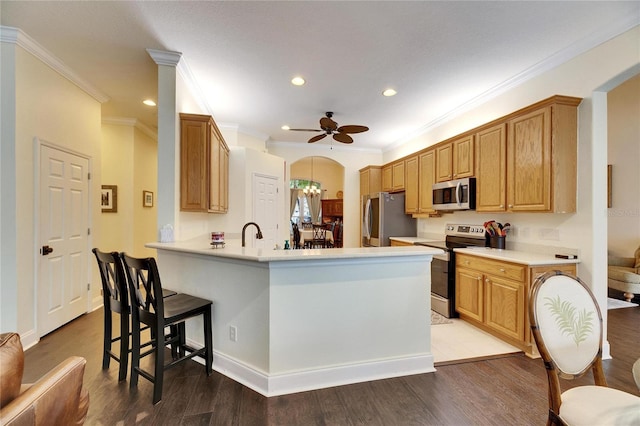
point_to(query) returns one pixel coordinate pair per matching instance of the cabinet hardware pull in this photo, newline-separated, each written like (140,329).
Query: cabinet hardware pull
(501,269)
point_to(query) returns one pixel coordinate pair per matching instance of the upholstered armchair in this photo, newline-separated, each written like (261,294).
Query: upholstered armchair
(624,274)
(58,398)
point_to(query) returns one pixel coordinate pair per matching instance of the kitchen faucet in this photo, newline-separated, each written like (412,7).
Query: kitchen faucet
(244,228)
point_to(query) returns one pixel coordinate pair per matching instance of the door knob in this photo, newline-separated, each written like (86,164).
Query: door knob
(46,250)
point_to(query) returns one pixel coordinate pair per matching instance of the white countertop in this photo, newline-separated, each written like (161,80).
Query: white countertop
(523,257)
(414,240)
(199,246)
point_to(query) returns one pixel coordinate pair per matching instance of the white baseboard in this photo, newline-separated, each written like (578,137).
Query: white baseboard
(300,381)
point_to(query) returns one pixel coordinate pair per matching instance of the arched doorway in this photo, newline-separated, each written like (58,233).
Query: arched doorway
(317,190)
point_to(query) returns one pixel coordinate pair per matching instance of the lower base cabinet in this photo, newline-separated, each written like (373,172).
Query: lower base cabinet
(493,295)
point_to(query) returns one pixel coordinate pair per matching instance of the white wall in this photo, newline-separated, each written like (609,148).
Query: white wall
(52,108)
(623,153)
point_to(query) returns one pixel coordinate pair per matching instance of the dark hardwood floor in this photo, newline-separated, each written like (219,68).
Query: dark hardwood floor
(506,391)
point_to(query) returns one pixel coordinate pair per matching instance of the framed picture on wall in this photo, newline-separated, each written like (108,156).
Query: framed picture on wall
(147,199)
(109,198)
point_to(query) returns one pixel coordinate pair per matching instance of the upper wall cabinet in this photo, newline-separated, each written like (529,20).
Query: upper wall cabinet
(491,169)
(370,180)
(420,173)
(393,177)
(204,165)
(542,158)
(454,160)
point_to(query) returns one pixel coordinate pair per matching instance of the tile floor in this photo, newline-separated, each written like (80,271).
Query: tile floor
(460,341)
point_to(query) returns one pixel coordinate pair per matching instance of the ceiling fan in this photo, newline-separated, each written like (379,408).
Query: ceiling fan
(330,127)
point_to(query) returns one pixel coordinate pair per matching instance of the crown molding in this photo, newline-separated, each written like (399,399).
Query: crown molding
(553,61)
(131,122)
(20,38)
(194,88)
(165,57)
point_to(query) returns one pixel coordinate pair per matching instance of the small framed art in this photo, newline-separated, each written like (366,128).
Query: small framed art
(147,199)
(109,198)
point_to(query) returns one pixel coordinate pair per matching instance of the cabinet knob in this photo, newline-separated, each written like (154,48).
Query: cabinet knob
(486,280)
(510,206)
(502,206)
(501,269)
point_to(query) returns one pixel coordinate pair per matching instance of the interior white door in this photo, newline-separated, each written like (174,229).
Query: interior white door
(265,211)
(64,216)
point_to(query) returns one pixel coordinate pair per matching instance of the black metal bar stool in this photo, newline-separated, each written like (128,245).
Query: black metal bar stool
(115,297)
(144,284)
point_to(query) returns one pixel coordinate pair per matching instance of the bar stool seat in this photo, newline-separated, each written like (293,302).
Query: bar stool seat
(144,284)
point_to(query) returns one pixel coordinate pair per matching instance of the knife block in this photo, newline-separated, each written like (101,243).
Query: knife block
(497,242)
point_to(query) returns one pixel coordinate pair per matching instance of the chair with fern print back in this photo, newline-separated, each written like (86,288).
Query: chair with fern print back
(567,326)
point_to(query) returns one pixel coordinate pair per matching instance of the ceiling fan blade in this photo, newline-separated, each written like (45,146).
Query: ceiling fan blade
(317,138)
(351,128)
(305,130)
(327,123)
(343,137)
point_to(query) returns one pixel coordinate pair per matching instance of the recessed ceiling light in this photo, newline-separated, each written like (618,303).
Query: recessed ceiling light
(285,127)
(149,102)
(297,81)
(389,92)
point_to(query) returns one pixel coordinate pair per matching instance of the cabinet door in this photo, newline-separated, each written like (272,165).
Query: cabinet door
(224,179)
(412,185)
(387,178)
(529,162)
(427,179)
(444,163)
(463,157)
(364,182)
(469,293)
(491,167)
(194,157)
(398,176)
(504,310)
(219,173)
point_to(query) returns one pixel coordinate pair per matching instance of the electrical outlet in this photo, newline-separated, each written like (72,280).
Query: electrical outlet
(233,333)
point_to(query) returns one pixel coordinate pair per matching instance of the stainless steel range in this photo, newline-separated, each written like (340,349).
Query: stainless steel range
(443,267)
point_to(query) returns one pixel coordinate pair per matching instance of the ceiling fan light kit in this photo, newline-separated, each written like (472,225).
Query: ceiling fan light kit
(330,127)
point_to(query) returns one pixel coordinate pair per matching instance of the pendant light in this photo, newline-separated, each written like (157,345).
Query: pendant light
(311,190)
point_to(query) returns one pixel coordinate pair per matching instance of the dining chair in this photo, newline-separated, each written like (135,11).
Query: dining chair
(156,312)
(567,327)
(319,236)
(296,236)
(115,299)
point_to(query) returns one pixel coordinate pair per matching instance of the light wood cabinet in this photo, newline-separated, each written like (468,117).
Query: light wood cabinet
(491,169)
(393,177)
(427,160)
(493,295)
(370,180)
(542,158)
(412,185)
(395,243)
(454,160)
(420,175)
(204,165)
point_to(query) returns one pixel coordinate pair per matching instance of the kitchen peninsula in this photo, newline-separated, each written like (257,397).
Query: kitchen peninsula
(286,321)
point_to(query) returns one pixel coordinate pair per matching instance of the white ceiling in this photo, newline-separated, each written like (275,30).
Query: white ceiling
(439,56)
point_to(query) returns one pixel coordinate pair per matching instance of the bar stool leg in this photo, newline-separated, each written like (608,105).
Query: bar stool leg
(135,354)
(159,368)
(208,341)
(106,344)
(124,347)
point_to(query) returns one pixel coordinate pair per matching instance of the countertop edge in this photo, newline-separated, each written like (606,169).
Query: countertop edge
(514,256)
(270,255)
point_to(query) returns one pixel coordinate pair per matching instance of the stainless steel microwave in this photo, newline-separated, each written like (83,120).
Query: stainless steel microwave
(459,194)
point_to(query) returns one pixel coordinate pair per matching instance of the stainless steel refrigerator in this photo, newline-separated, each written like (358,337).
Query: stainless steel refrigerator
(383,216)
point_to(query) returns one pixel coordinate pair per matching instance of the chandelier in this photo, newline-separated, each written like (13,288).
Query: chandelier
(311,190)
